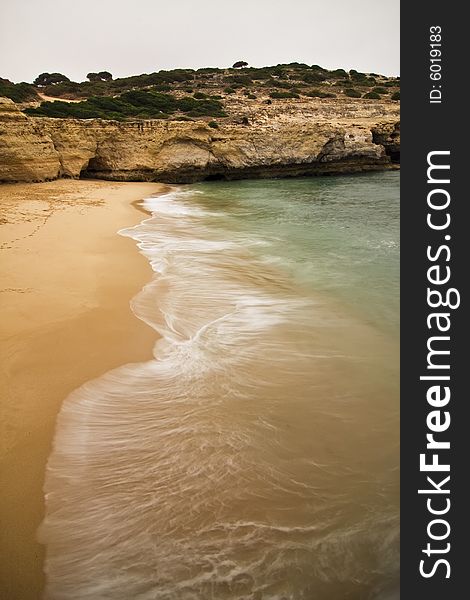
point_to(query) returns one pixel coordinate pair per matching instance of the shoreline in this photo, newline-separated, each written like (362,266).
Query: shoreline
(66,284)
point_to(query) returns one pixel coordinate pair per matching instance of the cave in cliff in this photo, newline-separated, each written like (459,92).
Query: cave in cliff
(90,168)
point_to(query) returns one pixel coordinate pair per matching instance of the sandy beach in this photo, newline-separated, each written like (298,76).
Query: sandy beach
(66,281)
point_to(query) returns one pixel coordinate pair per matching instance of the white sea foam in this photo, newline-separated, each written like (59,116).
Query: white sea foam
(221,468)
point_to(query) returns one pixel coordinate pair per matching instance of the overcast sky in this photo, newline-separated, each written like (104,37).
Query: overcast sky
(131,37)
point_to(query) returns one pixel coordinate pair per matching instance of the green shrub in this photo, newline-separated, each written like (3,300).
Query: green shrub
(279,95)
(259,74)
(251,96)
(337,73)
(320,94)
(134,104)
(229,90)
(213,124)
(313,77)
(352,93)
(65,89)
(200,96)
(176,75)
(162,87)
(314,94)
(279,71)
(380,90)
(371,96)
(356,76)
(395,96)
(199,108)
(18,92)
(283,85)
(240,79)
(297,65)
(209,70)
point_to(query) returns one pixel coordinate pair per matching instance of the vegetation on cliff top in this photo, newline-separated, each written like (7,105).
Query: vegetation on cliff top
(101,76)
(50,79)
(207,92)
(18,92)
(275,76)
(136,104)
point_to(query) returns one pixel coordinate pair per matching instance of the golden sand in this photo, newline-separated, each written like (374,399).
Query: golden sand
(66,281)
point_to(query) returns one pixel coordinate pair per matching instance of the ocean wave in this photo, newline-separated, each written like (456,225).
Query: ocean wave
(232,465)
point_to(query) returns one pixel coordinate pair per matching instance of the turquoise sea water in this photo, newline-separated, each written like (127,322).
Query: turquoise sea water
(256,456)
(338,235)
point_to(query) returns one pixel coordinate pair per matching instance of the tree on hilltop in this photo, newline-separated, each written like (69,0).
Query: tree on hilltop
(101,76)
(239,64)
(50,79)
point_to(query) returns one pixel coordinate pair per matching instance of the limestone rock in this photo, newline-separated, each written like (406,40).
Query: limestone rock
(305,137)
(26,152)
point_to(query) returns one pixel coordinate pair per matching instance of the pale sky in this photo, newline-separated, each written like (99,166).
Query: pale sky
(130,37)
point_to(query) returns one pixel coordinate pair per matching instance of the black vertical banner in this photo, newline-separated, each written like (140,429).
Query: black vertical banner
(435,257)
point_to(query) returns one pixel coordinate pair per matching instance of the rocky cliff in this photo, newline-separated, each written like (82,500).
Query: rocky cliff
(294,137)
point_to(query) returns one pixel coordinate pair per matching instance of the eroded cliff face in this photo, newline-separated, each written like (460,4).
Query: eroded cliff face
(293,138)
(26,153)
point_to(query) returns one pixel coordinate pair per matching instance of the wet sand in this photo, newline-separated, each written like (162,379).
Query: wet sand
(65,285)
